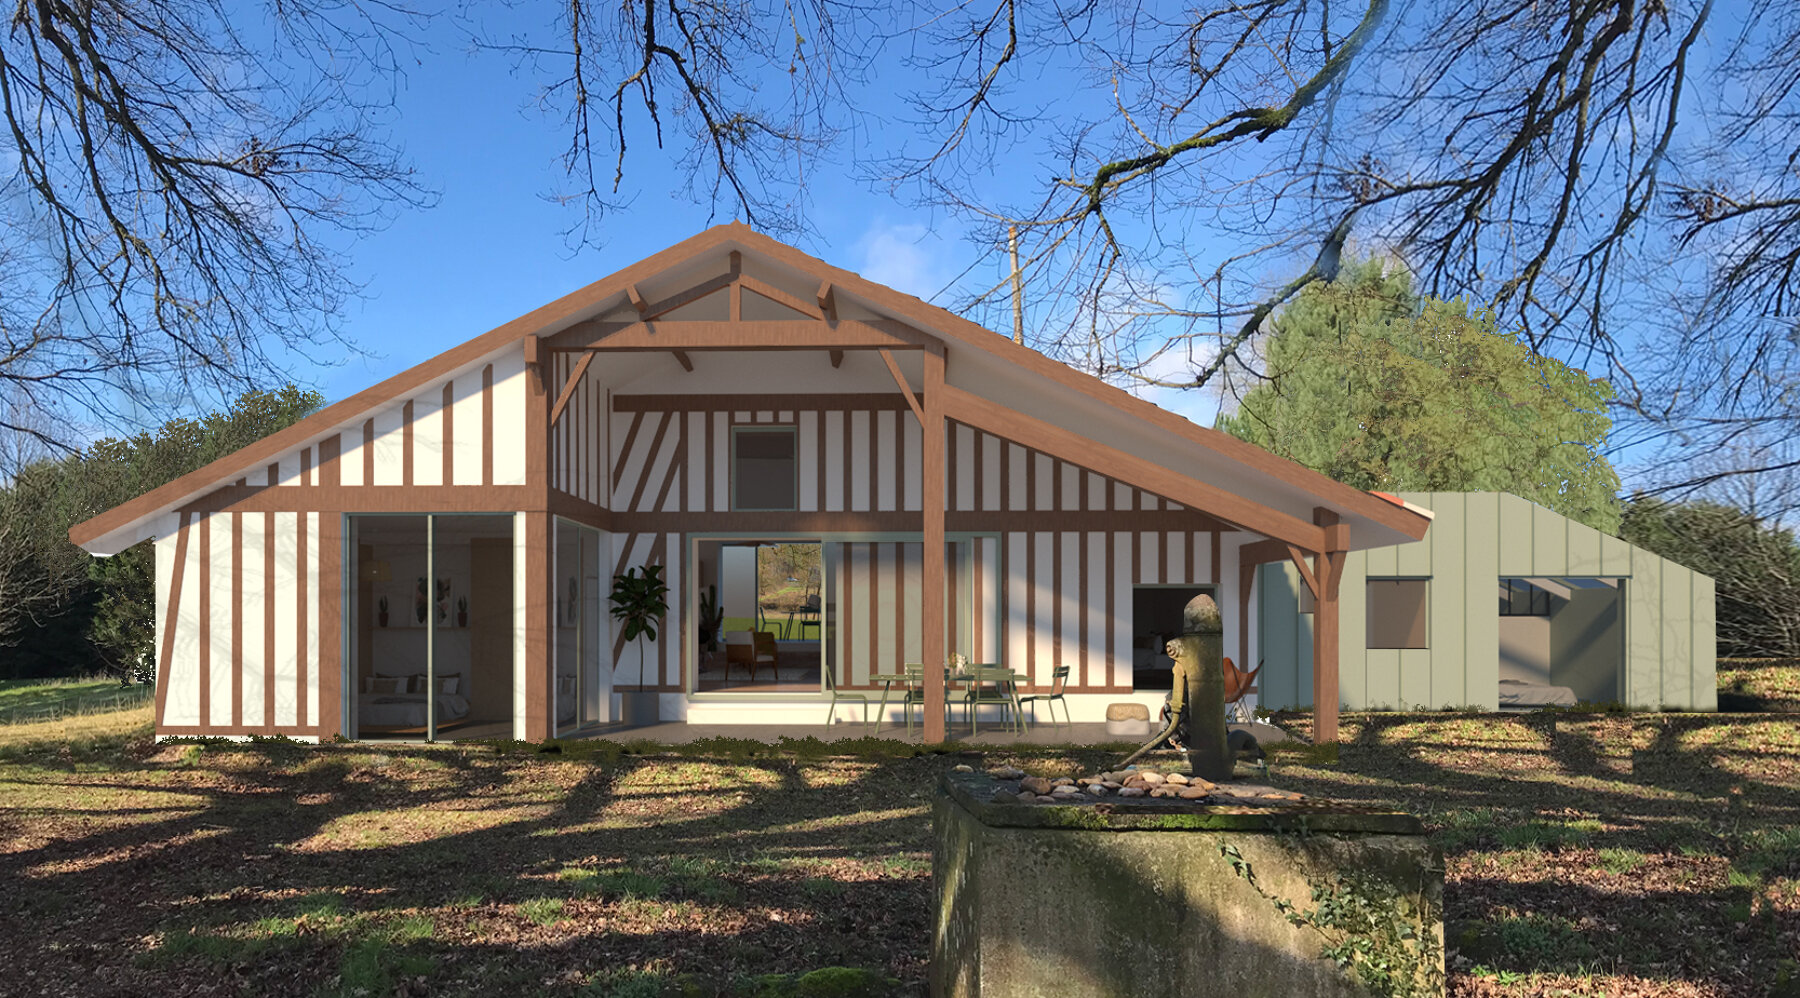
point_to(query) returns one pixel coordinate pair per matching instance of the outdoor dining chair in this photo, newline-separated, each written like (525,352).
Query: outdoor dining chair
(915,694)
(993,684)
(837,695)
(1059,681)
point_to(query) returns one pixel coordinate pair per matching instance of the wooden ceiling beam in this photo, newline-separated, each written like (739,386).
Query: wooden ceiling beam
(776,334)
(827,298)
(837,358)
(681,357)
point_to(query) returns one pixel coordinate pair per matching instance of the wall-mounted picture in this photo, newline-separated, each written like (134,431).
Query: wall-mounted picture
(573,607)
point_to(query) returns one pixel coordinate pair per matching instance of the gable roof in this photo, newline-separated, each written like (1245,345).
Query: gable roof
(614,290)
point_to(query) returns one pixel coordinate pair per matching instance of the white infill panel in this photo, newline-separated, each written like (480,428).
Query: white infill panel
(390,444)
(509,420)
(314,640)
(860,437)
(255,586)
(287,622)
(1018,584)
(219,627)
(1096,576)
(1175,543)
(428,439)
(1119,570)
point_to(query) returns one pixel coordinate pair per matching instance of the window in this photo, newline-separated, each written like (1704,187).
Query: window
(1396,617)
(764,468)
(1519,598)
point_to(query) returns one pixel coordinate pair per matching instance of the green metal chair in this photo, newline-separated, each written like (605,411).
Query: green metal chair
(1059,682)
(992,684)
(836,695)
(915,694)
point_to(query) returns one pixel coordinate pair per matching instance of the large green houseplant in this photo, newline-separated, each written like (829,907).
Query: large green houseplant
(639,604)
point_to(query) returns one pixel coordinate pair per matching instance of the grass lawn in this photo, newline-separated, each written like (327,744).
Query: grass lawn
(1585,855)
(1759,684)
(28,700)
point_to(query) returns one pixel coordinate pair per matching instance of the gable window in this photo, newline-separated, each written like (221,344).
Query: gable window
(1396,617)
(765,468)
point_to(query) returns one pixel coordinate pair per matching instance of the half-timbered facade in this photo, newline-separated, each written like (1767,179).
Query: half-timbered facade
(432,557)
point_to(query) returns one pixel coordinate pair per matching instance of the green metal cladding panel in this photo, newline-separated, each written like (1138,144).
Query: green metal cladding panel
(1677,640)
(1278,630)
(1549,541)
(1706,648)
(1447,604)
(1584,550)
(1516,524)
(1481,635)
(1643,635)
(1353,629)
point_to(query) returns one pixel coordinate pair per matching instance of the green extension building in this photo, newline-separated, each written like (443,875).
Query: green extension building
(1502,605)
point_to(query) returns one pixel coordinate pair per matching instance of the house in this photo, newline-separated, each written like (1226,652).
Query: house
(1502,604)
(432,557)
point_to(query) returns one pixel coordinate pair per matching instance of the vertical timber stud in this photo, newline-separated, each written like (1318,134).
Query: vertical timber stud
(931,589)
(539,605)
(1328,569)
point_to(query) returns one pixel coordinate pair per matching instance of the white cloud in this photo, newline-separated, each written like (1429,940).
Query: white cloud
(907,257)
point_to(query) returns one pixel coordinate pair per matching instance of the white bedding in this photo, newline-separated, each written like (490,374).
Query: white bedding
(406,710)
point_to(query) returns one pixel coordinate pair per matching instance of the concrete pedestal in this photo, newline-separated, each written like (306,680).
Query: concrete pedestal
(1139,898)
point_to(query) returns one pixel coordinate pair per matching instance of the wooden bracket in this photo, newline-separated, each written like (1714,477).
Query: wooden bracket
(1306,572)
(681,357)
(905,389)
(534,363)
(568,391)
(637,300)
(837,358)
(827,297)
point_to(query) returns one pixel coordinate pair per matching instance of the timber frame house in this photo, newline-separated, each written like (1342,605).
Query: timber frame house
(965,495)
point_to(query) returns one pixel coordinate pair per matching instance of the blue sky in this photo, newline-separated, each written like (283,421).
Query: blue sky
(493,247)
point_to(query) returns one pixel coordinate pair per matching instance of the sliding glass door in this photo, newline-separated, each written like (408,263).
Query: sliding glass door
(582,693)
(431,626)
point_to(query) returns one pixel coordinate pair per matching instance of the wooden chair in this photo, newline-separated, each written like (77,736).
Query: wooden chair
(766,651)
(1059,681)
(746,649)
(831,688)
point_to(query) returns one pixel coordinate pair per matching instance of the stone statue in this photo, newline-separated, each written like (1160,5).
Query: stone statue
(1196,724)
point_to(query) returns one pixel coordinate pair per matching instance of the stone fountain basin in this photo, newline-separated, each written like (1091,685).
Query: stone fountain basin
(1144,896)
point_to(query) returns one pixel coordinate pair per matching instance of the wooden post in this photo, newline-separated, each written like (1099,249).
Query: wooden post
(539,587)
(1328,569)
(931,589)
(1018,285)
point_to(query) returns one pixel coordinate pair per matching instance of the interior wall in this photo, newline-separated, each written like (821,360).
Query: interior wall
(1587,644)
(1525,649)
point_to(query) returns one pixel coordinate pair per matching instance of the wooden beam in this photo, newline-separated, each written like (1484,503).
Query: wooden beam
(905,389)
(534,364)
(766,334)
(827,299)
(1306,574)
(737,286)
(1262,552)
(568,390)
(779,296)
(1077,449)
(837,358)
(931,576)
(1246,591)
(681,357)
(1329,566)
(172,616)
(637,301)
(687,297)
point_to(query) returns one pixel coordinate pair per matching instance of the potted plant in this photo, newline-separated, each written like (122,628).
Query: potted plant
(383,614)
(639,603)
(710,619)
(462,611)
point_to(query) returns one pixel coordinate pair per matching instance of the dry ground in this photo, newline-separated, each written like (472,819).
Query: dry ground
(1584,855)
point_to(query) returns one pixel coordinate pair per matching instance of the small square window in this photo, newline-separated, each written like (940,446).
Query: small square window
(765,469)
(1397,613)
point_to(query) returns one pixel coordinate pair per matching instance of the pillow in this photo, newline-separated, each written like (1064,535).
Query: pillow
(415,683)
(447,685)
(565,686)
(368,684)
(384,684)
